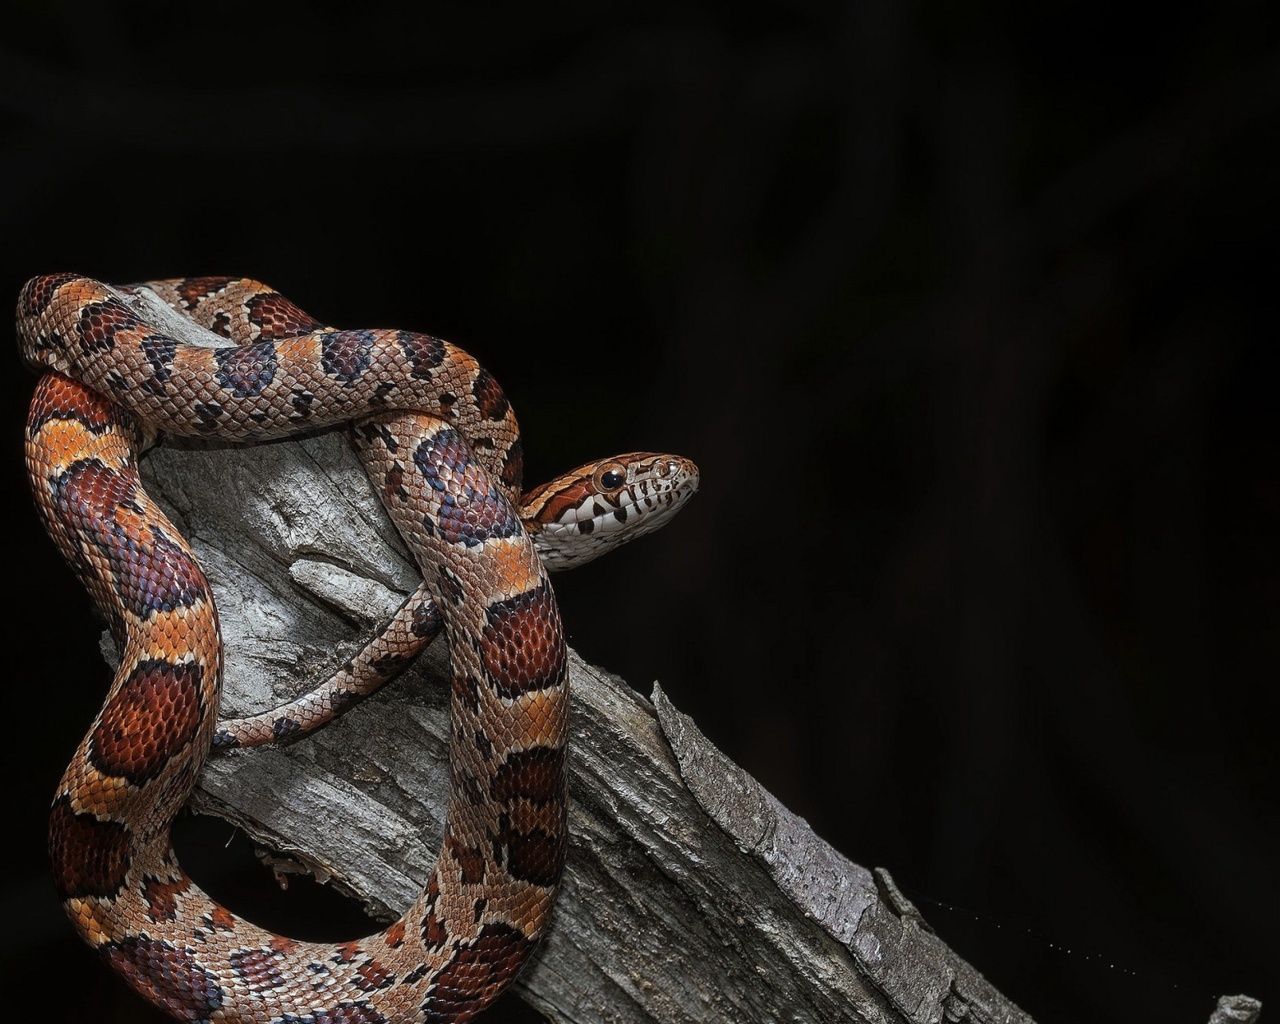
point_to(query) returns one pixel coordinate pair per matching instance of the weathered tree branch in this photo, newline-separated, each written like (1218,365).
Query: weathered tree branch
(691,894)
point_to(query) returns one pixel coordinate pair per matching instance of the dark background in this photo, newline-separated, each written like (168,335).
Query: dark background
(966,312)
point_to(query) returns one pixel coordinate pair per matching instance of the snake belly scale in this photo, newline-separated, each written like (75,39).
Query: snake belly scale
(442,447)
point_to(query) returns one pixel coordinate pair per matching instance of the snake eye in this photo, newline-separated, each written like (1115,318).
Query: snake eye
(610,477)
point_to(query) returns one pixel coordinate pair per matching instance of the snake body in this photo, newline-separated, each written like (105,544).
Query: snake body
(442,447)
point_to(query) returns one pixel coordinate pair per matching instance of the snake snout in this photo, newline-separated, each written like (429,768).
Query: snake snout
(680,474)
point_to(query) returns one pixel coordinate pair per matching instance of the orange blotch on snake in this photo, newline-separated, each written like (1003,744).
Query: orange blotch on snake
(514,570)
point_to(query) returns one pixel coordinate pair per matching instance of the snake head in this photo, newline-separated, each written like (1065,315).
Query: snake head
(601,505)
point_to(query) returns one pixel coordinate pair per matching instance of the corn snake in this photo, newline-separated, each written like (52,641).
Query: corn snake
(441,444)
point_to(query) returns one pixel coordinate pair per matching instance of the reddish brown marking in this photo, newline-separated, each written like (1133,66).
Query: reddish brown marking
(38,292)
(477,974)
(471,861)
(481,511)
(347,952)
(423,352)
(490,400)
(221,919)
(434,933)
(513,466)
(149,570)
(170,977)
(259,969)
(154,716)
(58,398)
(561,499)
(101,322)
(277,317)
(246,370)
(192,289)
(90,857)
(536,775)
(162,897)
(466,691)
(283,944)
(372,975)
(394,935)
(91,492)
(393,490)
(346,355)
(534,856)
(160,577)
(522,648)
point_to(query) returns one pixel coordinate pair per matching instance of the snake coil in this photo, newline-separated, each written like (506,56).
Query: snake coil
(441,444)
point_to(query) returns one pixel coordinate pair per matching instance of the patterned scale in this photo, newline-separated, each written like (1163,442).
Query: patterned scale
(442,447)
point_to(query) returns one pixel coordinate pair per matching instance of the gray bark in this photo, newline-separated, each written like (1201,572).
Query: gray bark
(1236,1010)
(690,894)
